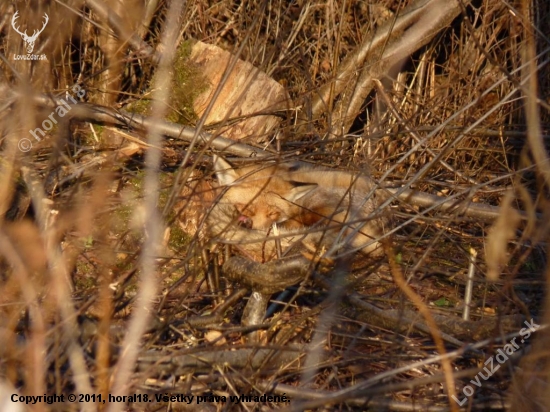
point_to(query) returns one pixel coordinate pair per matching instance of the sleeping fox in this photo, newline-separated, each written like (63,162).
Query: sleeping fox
(266,211)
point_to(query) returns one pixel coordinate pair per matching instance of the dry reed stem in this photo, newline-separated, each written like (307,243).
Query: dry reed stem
(425,312)
(450,117)
(148,274)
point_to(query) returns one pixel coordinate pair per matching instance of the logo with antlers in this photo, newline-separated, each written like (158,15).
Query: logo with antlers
(29,40)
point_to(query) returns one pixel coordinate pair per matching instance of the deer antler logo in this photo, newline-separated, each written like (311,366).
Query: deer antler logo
(29,41)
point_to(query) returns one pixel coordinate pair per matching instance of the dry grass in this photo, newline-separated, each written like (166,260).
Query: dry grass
(102,292)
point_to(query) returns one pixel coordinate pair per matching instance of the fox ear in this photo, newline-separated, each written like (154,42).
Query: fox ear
(224,171)
(297,192)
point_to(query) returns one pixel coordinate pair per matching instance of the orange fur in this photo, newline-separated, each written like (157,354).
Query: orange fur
(299,200)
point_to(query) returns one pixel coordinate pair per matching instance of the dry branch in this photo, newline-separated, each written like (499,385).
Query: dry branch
(267,278)
(415,26)
(107,116)
(264,360)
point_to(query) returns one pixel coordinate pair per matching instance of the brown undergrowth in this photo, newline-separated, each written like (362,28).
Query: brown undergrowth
(109,283)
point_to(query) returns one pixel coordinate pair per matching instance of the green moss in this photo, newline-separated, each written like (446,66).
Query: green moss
(444,302)
(141,106)
(121,218)
(186,84)
(166,181)
(88,242)
(88,138)
(86,275)
(178,238)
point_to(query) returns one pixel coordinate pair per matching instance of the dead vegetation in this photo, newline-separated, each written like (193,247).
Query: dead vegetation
(108,281)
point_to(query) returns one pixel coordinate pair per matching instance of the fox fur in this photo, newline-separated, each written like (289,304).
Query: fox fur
(277,209)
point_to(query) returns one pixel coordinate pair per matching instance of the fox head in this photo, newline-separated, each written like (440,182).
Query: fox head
(261,195)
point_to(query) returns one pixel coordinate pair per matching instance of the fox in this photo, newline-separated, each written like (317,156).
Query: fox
(274,209)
